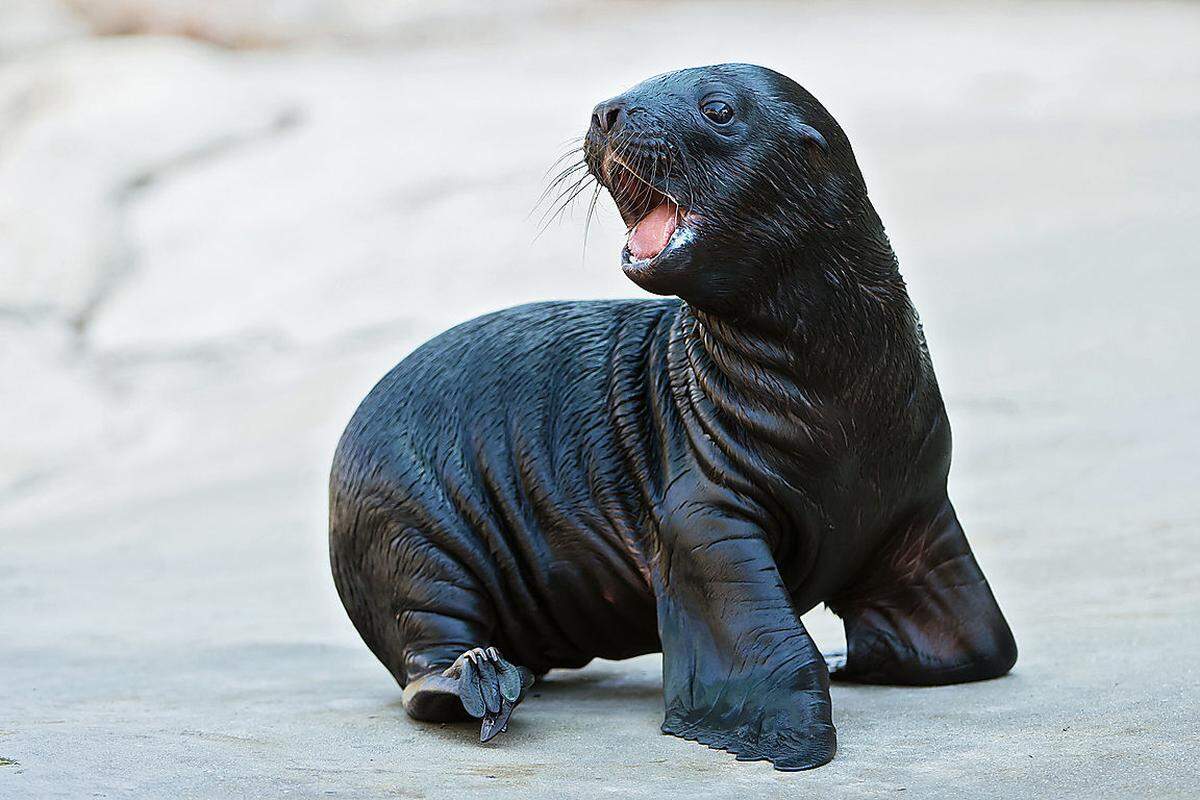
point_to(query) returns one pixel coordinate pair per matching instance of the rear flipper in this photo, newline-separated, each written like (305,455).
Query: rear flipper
(480,684)
(922,614)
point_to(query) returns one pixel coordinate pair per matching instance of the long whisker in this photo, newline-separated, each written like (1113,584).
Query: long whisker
(564,176)
(563,202)
(574,152)
(587,225)
(563,187)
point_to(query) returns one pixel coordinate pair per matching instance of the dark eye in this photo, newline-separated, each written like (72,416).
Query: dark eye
(717,111)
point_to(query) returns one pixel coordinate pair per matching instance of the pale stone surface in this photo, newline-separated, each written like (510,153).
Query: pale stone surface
(207,257)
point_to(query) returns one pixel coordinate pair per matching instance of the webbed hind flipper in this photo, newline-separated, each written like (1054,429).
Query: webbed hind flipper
(480,684)
(922,612)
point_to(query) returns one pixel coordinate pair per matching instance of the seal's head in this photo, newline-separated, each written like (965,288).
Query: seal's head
(729,178)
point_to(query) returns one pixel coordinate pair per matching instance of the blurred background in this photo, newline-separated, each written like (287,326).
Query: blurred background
(221,222)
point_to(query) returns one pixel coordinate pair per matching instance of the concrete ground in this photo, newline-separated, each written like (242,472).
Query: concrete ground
(208,256)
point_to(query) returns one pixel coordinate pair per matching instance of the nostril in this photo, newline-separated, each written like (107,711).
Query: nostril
(607,117)
(610,118)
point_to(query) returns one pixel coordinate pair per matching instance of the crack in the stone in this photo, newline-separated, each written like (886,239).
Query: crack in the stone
(121,261)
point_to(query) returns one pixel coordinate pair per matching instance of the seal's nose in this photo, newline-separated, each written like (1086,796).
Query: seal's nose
(608,116)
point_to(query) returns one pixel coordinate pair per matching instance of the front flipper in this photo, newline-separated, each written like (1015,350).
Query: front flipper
(740,672)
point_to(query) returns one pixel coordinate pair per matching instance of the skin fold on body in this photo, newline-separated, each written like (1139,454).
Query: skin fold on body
(563,481)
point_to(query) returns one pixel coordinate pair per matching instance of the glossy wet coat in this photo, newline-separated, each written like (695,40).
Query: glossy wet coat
(567,481)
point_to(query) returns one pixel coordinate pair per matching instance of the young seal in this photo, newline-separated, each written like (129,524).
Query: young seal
(563,481)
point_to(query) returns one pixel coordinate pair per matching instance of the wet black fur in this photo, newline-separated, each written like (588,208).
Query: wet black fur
(602,479)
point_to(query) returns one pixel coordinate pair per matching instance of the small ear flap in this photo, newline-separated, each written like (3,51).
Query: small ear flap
(810,135)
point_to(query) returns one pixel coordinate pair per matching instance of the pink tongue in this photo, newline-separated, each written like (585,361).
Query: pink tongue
(653,231)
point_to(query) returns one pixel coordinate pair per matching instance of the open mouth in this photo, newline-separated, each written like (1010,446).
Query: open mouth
(656,222)
(653,233)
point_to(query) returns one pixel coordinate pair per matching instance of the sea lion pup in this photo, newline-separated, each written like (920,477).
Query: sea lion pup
(563,481)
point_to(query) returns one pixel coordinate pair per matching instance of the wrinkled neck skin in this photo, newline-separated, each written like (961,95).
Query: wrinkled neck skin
(811,383)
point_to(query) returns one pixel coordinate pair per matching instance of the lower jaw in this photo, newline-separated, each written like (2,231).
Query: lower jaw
(636,271)
(650,279)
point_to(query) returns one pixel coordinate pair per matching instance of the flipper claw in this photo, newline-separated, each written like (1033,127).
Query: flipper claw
(495,724)
(489,687)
